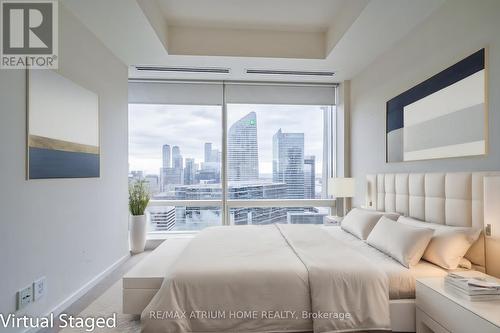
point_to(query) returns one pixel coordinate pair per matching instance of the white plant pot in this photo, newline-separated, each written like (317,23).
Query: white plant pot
(137,233)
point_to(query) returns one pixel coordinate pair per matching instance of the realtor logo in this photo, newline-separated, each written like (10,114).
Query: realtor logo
(29,34)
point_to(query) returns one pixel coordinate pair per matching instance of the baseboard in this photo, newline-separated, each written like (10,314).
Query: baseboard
(82,291)
(86,287)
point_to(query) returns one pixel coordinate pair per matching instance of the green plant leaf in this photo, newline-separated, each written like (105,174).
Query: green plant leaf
(138,197)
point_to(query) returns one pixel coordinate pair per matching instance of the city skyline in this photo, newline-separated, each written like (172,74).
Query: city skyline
(183,178)
(289,159)
(190,127)
(291,167)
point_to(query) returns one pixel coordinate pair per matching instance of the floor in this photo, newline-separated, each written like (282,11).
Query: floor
(106,305)
(104,300)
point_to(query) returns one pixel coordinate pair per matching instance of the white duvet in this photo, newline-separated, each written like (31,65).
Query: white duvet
(275,278)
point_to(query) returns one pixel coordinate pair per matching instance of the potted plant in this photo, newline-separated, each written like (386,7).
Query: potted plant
(138,201)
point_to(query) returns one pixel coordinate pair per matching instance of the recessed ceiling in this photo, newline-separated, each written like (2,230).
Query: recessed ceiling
(282,15)
(341,36)
(252,28)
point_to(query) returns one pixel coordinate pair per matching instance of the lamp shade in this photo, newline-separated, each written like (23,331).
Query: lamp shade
(341,187)
(492,204)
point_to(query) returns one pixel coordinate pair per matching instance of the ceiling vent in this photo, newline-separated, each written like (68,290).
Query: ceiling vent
(213,70)
(277,72)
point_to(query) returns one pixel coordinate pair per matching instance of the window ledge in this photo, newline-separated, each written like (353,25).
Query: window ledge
(158,235)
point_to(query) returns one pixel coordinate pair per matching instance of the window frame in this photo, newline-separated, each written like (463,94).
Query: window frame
(329,155)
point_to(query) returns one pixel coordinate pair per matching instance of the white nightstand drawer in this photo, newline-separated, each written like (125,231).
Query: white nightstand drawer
(426,324)
(449,314)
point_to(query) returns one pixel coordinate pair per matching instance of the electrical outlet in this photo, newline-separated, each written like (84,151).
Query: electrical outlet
(39,288)
(488,230)
(24,297)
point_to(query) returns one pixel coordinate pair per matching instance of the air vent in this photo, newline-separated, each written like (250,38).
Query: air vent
(184,69)
(276,72)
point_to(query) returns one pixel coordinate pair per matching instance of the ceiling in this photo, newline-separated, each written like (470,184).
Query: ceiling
(284,15)
(343,36)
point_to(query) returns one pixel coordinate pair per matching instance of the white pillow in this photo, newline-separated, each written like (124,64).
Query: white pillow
(403,242)
(360,222)
(448,245)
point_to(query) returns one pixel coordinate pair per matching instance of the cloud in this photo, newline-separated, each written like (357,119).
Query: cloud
(189,127)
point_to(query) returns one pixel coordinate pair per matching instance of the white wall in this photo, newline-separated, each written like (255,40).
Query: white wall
(67,230)
(454,31)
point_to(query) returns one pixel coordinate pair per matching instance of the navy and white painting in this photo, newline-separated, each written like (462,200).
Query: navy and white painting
(63,128)
(444,116)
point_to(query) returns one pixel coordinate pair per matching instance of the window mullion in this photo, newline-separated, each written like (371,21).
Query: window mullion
(225,208)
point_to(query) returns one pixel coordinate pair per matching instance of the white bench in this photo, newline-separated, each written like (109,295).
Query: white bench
(143,281)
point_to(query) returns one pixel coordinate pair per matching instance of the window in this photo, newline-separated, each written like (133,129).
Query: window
(278,153)
(176,149)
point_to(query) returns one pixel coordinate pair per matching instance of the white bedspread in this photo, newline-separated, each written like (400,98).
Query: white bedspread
(341,280)
(401,279)
(269,279)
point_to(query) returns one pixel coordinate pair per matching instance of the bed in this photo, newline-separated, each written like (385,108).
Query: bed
(287,269)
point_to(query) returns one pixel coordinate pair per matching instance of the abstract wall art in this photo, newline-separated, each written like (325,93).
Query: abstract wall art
(444,116)
(62,128)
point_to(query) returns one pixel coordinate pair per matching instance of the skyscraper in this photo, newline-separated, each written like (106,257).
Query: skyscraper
(190,172)
(166,156)
(288,162)
(176,158)
(242,152)
(208,152)
(215,156)
(166,163)
(171,174)
(309,177)
(210,168)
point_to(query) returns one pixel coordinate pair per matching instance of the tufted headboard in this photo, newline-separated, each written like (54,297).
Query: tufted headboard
(454,199)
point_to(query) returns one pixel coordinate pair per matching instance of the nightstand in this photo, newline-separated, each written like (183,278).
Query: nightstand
(440,311)
(332,220)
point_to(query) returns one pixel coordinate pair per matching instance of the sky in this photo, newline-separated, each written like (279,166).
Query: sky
(190,126)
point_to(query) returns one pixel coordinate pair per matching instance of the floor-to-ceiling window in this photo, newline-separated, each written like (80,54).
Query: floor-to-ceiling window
(214,153)
(176,150)
(276,152)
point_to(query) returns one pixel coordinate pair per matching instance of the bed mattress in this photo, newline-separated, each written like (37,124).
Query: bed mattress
(281,278)
(236,268)
(401,279)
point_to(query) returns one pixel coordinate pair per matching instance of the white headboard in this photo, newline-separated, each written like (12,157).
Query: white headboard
(454,199)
